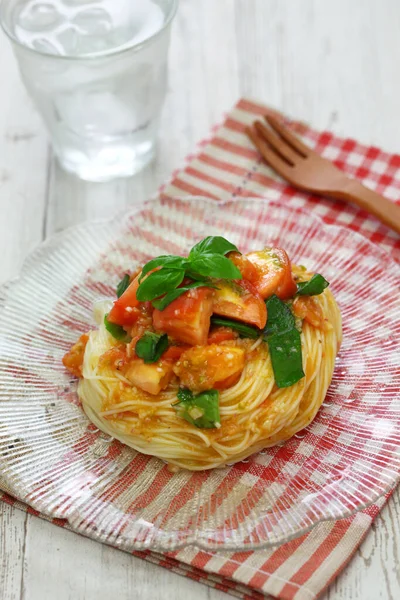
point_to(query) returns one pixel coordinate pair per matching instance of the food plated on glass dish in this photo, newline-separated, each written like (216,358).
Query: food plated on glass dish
(207,358)
(209,426)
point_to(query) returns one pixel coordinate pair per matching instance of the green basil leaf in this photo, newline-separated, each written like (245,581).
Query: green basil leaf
(184,395)
(245,331)
(201,410)
(280,317)
(212,245)
(116,331)
(193,275)
(286,358)
(312,287)
(170,261)
(123,285)
(151,346)
(161,303)
(284,343)
(216,266)
(158,283)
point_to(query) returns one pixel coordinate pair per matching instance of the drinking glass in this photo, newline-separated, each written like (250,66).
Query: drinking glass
(97,72)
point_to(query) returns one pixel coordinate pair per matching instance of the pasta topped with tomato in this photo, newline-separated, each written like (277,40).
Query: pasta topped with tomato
(205,359)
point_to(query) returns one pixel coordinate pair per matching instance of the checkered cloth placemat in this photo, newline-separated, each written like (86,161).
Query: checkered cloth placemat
(227,166)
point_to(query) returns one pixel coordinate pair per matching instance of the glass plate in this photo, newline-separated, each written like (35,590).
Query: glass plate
(55,460)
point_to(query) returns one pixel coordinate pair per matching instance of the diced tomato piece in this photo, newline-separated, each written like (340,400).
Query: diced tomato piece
(307,308)
(73,360)
(274,273)
(201,368)
(114,358)
(135,274)
(245,266)
(228,382)
(174,352)
(187,319)
(221,334)
(144,321)
(240,300)
(151,378)
(125,310)
(287,287)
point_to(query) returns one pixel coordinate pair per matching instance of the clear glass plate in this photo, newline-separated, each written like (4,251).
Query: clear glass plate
(54,459)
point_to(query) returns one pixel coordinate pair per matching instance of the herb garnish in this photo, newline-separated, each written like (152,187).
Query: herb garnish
(206,260)
(312,287)
(284,343)
(201,410)
(116,331)
(123,285)
(151,346)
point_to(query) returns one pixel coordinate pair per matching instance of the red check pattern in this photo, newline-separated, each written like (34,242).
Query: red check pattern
(227,166)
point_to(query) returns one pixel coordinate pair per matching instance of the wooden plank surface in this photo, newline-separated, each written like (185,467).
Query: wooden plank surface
(334,64)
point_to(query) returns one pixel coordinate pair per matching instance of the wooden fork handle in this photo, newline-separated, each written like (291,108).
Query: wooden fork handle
(354,191)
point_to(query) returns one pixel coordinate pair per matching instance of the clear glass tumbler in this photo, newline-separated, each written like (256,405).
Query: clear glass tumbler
(97,71)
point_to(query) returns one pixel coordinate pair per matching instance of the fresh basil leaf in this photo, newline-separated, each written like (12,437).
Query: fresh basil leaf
(151,346)
(201,410)
(216,266)
(312,287)
(280,317)
(161,303)
(159,283)
(246,331)
(212,245)
(286,358)
(193,275)
(170,261)
(123,285)
(116,331)
(284,343)
(184,395)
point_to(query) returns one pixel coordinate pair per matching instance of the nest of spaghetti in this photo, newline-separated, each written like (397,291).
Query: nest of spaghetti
(204,360)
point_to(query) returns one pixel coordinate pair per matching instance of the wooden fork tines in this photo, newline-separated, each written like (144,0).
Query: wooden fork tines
(305,169)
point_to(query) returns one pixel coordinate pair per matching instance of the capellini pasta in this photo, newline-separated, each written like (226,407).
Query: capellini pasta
(205,360)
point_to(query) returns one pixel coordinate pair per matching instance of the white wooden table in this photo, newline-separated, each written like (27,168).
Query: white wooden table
(334,63)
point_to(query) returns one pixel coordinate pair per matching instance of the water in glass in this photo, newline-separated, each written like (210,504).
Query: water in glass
(97,72)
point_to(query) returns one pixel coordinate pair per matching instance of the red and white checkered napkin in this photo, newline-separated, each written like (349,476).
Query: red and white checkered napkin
(227,166)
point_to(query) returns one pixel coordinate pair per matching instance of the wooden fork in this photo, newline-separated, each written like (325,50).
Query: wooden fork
(307,170)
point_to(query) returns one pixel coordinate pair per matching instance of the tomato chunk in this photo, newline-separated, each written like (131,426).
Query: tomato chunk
(240,300)
(274,273)
(174,352)
(151,378)
(125,310)
(201,368)
(187,319)
(307,308)
(228,382)
(246,267)
(144,320)
(114,358)
(73,360)
(221,334)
